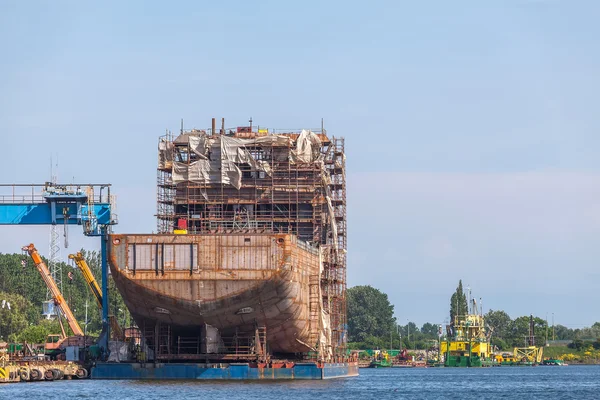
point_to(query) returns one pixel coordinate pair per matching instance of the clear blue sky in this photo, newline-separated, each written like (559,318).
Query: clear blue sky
(472,126)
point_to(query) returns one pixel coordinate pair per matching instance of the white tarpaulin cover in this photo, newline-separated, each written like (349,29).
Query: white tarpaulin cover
(165,153)
(325,321)
(219,156)
(200,145)
(308,148)
(119,351)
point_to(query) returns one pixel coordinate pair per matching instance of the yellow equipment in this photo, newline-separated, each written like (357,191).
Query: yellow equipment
(57,296)
(93,285)
(529,354)
(87,275)
(468,341)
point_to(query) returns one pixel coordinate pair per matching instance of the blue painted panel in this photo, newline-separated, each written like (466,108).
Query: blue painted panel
(339,370)
(284,373)
(212,373)
(215,372)
(40,214)
(307,371)
(100,210)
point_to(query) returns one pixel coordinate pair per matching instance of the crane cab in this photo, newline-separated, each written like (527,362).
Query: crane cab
(53,343)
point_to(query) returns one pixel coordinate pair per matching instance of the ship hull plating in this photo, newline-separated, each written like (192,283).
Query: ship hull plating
(234,283)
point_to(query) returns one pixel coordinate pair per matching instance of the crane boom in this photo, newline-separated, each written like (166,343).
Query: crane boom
(87,275)
(58,298)
(95,289)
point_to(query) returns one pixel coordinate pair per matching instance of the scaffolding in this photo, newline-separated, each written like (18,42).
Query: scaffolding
(251,180)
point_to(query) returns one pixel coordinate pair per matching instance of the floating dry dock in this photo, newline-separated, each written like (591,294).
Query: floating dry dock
(243,371)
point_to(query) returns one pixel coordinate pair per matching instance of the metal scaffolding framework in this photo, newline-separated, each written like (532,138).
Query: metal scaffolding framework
(306,199)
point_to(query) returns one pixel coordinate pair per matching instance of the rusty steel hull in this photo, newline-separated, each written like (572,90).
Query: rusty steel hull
(233,282)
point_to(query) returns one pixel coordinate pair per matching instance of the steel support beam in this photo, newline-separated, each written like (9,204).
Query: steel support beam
(52,213)
(105,324)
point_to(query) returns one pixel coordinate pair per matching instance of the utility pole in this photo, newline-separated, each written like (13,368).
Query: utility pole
(468,300)
(546,329)
(440,344)
(553,327)
(86,319)
(400,343)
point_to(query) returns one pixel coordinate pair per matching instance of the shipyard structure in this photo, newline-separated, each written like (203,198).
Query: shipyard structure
(249,260)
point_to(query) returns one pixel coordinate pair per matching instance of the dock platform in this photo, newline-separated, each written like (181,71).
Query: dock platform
(220,371)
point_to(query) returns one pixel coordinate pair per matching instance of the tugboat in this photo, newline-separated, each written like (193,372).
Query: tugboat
(381,359)
(468,341)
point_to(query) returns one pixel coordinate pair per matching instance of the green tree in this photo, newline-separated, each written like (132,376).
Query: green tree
(561,332)
(592,332)
(14,309)
(500,343)
(38,333)
(576,344)
(411,334)
(18,279)
(373,342)
(429,330)
(409,329)
(520,331)
(500,322)
(458,302)
(370,313)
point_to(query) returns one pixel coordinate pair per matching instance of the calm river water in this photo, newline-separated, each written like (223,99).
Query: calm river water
(571,382)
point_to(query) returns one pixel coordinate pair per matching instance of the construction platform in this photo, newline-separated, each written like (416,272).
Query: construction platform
(220,371)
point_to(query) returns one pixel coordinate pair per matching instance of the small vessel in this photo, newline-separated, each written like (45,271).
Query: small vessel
(553,361)
(468,341)
(381,360)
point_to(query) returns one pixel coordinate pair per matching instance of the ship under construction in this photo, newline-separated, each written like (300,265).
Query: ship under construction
(249,260)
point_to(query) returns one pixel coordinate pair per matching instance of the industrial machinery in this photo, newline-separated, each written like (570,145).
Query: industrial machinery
(88,205)
(116,331)
(468,344)
(530,354)
(54,342)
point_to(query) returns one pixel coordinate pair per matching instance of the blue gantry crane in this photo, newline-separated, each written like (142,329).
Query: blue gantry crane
(88,205)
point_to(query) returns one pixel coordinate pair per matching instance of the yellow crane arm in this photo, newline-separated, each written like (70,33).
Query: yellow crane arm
(95,288)
(540,355)
(58,298)
(87,275)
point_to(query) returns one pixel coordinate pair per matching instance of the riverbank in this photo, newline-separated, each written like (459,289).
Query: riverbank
(582,356)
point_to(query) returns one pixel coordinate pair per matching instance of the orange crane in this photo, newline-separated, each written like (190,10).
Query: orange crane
(57,296)
(116,330)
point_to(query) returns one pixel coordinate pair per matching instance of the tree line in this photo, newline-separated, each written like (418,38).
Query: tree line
(371,324)
(508,333)
(22,287)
